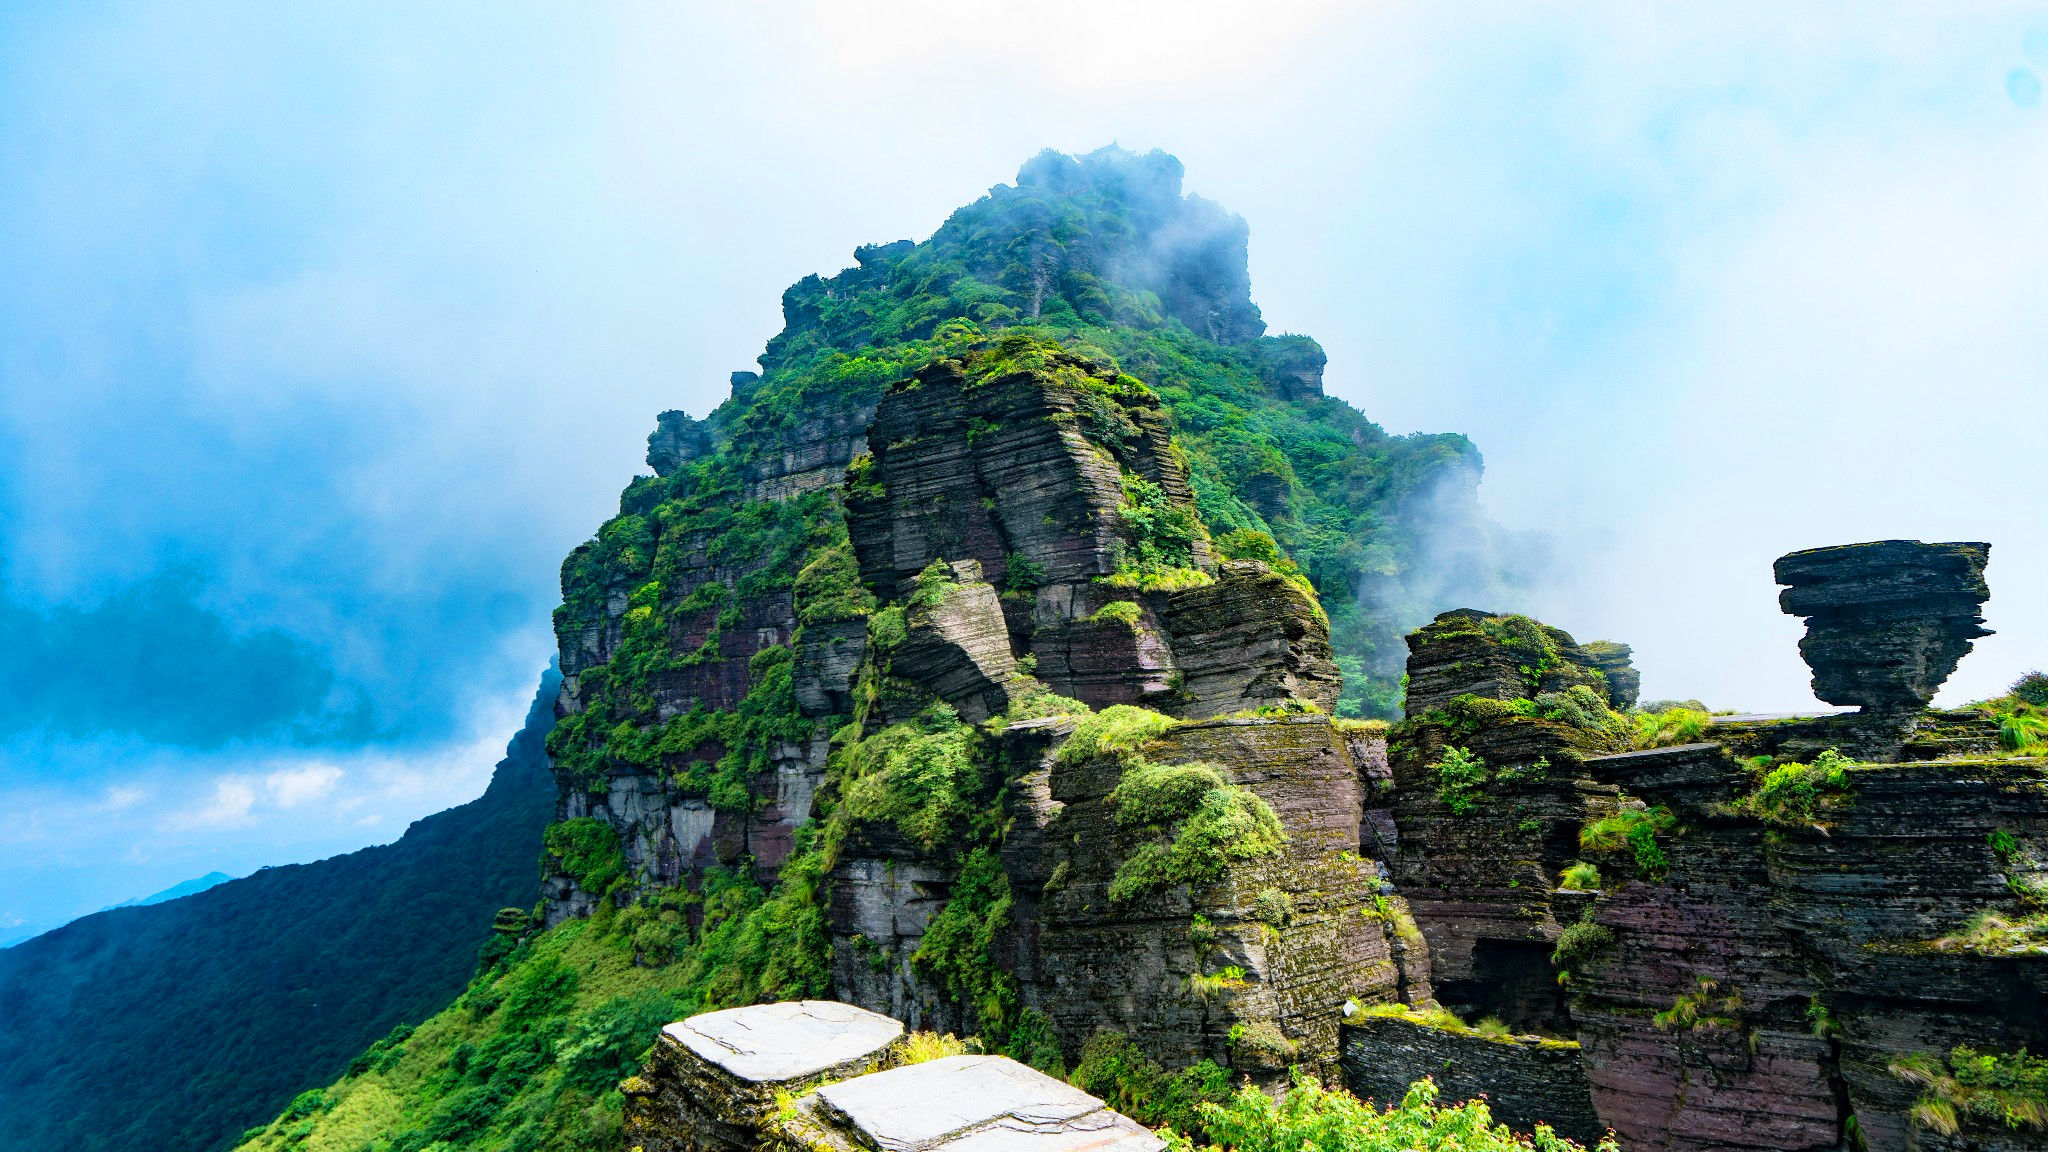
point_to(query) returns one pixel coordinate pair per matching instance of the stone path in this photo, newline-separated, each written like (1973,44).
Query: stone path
(719,1082)
(779,1043)
(976,1104)
(711,1082)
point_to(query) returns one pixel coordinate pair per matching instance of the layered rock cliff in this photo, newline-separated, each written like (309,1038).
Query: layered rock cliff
(1758,941)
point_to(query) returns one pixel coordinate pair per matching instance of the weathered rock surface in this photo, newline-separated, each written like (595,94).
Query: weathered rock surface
(1025,475)
(1886,622)
(1751,1073)
(885,892)
(675,441)
(1252,638)
(959,1104)
(1803,924)
(1615,662)
(1466,652)
(711,1081)
(1481,882)
(1092,962)
(1526,1080)
(959,648)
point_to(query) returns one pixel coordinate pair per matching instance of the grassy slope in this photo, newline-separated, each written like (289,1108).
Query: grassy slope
(174,1027)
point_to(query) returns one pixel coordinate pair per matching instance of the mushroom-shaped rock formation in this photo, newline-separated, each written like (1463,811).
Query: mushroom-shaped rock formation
(1887,621)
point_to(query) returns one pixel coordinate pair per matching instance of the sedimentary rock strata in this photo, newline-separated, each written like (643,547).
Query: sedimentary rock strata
(1527,1080)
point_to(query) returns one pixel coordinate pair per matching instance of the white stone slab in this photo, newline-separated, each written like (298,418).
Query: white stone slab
(772,1043)
(978,1104)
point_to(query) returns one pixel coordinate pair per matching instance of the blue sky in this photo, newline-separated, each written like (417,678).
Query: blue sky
(324,336)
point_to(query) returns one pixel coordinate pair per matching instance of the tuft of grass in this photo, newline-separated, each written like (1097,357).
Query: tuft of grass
(1673,725)
(1580,876)
(1125,612)
(1634,830)
(1701,1008)
(918,1047)
(1208,986)
(1995,931)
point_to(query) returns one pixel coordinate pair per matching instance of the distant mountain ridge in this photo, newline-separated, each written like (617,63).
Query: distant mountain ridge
(183,888)
(177,1021)
(192,887)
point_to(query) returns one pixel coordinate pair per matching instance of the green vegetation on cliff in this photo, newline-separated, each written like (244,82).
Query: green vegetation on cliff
(1311,1118)
(2008,1090)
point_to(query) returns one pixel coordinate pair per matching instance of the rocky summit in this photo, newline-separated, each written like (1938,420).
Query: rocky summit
(1010,720)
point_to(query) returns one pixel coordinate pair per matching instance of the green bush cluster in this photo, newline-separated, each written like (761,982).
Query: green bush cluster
(586,850)
(1578,945)
(2008,1090)
(1460,777)
(1311,1118)
(1800,794)
(2031,688)
(958,949)
(922,776)
(1633,831)
(1200,826)
(1159,534)
(1117,1071)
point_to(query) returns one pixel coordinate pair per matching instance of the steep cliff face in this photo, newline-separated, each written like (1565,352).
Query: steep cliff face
(1043,465)
(1192,883)
(1131,427)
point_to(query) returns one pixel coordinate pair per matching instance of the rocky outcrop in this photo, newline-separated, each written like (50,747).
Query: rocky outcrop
(1886,622)
(711,1082)
(1466,652)
(1747,1071)
(676,440)
(1059,481)
(1252,638)
(958,646)
(957,1104)
(1526,1080)
(1815,945)
(1615,663)
(1302,929)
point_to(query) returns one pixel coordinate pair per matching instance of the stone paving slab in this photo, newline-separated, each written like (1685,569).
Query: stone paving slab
(776,1043)
(976,1104)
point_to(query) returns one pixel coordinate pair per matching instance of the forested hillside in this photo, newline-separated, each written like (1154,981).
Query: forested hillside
(175,1026)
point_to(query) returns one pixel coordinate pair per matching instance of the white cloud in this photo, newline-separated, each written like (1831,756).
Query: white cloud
(233,798)
(289,788)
